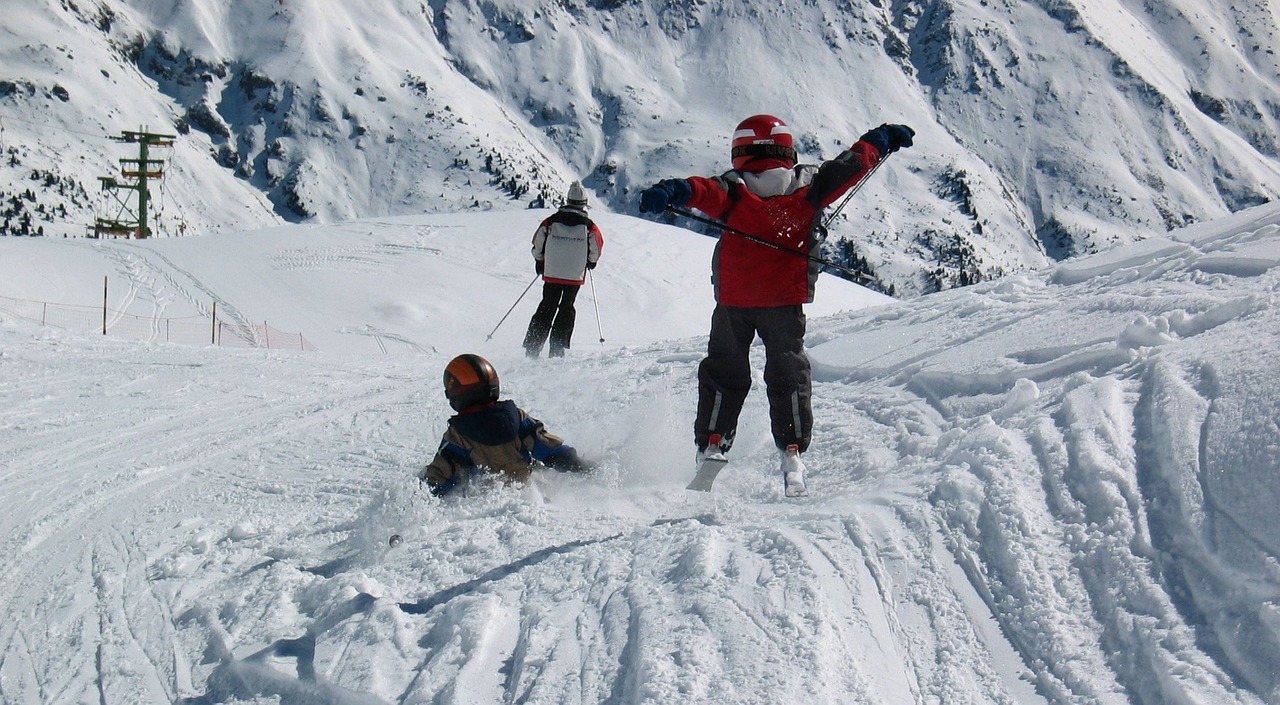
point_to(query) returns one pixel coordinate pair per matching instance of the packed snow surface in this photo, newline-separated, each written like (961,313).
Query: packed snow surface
(1059,487)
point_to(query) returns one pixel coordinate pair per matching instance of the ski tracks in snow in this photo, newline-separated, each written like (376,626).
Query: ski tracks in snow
(168,474)
(1071,449)
(593,590)
(981,522)
(158,281)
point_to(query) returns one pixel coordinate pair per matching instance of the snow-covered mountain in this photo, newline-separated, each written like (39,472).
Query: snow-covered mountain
(1046,128)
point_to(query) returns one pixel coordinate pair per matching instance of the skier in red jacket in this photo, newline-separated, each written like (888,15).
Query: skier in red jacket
(761,289)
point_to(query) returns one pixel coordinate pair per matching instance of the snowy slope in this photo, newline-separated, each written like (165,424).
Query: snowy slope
(426,283)
(1054,488)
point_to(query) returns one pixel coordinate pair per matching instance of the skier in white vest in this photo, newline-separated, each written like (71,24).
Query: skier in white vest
(565,246)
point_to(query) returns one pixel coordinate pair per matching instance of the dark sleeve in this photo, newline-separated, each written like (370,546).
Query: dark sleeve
(548,448)
(839,175)
(567,460)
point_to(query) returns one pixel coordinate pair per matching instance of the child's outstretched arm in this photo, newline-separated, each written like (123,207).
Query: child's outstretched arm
(567,460)
(550,449)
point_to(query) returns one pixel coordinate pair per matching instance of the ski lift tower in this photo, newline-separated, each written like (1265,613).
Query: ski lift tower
(136,173)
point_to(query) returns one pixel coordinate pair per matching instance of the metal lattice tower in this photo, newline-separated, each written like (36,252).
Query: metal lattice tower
(135,173)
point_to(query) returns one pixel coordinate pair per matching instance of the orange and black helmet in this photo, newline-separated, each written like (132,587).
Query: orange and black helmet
(470,380)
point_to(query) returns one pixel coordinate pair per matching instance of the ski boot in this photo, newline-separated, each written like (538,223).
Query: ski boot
(793,472)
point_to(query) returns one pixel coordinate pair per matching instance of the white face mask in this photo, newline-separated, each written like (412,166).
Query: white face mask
(773,182)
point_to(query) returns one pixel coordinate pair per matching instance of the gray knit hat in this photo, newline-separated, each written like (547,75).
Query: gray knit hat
(577,197)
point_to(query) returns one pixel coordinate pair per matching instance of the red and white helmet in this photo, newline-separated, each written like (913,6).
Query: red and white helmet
(762,137)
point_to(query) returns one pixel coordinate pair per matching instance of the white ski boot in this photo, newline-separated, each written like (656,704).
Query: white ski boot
(793,472)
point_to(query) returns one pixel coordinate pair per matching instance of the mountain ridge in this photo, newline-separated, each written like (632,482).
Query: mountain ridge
(1046,129)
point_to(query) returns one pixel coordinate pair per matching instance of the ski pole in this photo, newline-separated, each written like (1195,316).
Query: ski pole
(595,301)
(852,191)
(513,307)
(812,258)
(783,248)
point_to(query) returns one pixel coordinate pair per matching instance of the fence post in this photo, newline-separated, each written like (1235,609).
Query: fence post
(266,334)
(104,305)
(213,325)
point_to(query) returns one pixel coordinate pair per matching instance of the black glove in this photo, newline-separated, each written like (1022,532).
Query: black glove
(438,489)
(591,265)
(888,139)
(668,192)
(539,265)
(568,461)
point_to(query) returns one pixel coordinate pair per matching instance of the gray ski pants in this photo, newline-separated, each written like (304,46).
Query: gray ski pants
(724,377)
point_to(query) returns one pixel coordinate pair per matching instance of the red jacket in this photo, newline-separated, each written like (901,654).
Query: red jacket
(783,206)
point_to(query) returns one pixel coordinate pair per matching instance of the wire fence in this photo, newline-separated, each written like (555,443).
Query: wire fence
(190,330)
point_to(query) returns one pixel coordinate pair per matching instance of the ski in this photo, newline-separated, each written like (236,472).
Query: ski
(707,471)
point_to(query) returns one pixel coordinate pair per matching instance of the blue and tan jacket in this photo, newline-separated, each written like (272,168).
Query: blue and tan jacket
(497,438)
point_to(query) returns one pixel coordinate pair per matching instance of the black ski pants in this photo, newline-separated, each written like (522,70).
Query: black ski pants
(724,377)
(554,317)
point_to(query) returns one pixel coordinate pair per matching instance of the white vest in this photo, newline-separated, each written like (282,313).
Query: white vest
(565,248)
